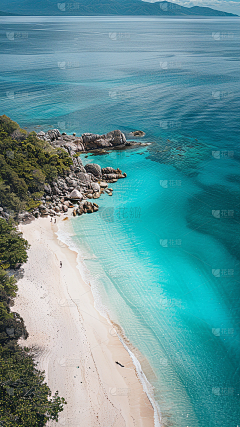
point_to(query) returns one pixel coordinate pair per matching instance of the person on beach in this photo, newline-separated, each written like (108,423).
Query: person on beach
(51,219)
(55,220)
(60,264)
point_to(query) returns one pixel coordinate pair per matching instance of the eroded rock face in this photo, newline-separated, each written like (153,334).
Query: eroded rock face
(94,169)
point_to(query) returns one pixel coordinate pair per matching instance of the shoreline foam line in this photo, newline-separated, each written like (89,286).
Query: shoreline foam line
(65,237)
(147,387)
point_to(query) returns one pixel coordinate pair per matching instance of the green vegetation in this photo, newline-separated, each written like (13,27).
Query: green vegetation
(12,246)
(25,399)
(26,164)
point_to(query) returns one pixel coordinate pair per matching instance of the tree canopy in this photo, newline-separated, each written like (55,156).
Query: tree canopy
(25,398)
(26,164)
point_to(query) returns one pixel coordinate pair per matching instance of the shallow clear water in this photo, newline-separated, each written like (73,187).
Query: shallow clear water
(166,245)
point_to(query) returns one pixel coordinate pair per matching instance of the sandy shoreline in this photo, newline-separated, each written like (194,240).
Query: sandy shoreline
(77,347)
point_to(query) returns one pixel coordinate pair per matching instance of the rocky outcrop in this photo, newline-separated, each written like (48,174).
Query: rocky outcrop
(90,137)
(74,187)
(112,139)
(111,175)
(88,141)
(80,183)
(86,207)
(116,137)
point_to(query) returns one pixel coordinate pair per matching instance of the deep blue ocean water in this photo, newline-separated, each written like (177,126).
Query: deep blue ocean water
(163,252)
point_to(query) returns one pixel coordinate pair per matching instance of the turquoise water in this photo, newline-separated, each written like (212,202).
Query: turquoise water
(163,252)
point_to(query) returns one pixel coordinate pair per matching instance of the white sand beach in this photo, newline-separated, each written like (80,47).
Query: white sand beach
(76,347)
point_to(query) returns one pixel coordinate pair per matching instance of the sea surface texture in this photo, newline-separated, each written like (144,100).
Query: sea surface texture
(162,254)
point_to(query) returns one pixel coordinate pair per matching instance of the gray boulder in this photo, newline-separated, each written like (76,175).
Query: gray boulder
(53,134)
(103,184)
(42,135)
(116,137)
(55,189)
(94,169)
(84,179)
(47,189)
(50,135)
(89,137)
(62,184)
(108,170)
(95,187)
(93,141)
(75,195)
(19,135)
(102,143)
(25,216)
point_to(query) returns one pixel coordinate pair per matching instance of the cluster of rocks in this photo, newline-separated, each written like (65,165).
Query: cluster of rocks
(85,207)
(81,182)
(86,142)
(75,189)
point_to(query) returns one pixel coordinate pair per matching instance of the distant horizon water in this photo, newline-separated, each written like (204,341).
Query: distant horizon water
(162,254)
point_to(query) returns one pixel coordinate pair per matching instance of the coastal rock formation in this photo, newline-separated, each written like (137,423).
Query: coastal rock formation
(79,183)
(109,174)
(75,186)
(111,139)
(86,142)
(61,180)
(108,170)
(89,137)
(86,207)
